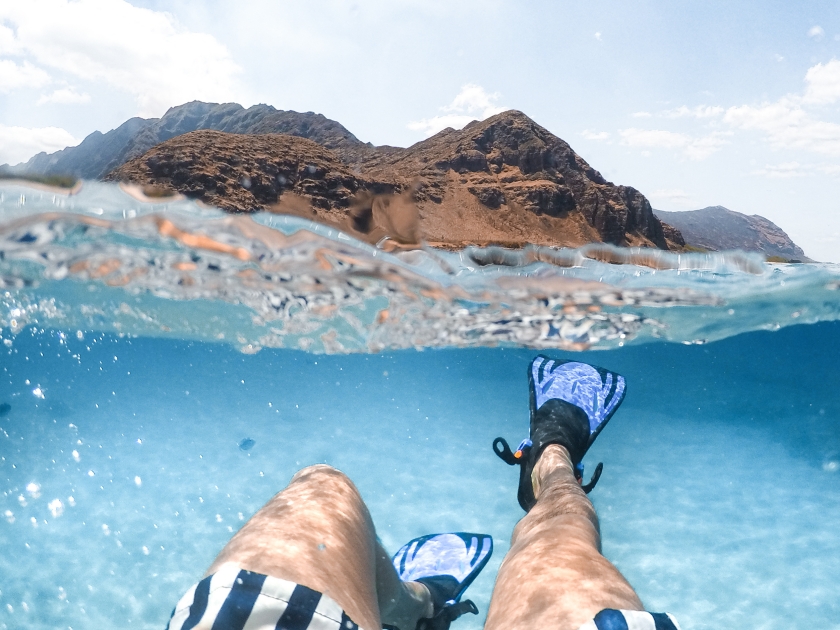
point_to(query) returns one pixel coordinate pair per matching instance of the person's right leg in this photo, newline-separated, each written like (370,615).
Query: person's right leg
(554,575)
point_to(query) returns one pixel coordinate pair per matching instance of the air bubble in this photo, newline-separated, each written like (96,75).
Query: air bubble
(56,508)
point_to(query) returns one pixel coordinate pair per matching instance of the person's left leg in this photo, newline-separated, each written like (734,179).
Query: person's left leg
(318,532)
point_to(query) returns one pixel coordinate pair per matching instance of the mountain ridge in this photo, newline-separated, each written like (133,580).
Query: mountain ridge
(100,153)
(719,229)
(504,180)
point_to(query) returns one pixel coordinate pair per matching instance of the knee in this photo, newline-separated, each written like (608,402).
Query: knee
(325,476)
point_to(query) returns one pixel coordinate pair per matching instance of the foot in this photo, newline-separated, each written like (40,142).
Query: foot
(571,402)
(413,605)
(445,565)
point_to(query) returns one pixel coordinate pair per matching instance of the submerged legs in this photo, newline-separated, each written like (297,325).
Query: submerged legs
(318,532)
(554,575)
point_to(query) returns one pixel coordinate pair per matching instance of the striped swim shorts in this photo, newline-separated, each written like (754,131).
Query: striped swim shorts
(611,619)
(235,599)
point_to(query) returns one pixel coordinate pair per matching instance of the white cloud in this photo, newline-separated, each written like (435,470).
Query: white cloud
(700,111)
(693,148)
(816,32)
(139,51)
(471,103)
(14,76)
(474,99)
(829,169)
(598,36)
(786,125)
(641,115)
(18,144)
(672,197)
(823,83)
(654,138)
(600,136)
(64,96)
(8,44)
(778,57)
(781,171)
(790,122)
(701,148)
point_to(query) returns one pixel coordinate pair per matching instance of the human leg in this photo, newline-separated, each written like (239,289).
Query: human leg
(554,575)
(317,532)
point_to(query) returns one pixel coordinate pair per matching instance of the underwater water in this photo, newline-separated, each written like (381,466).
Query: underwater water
(166,369)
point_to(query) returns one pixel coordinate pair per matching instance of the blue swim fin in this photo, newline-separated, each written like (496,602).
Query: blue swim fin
(598,392)
(571,403)
(446,564)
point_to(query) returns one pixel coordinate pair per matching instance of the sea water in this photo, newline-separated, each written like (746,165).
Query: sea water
(167,369)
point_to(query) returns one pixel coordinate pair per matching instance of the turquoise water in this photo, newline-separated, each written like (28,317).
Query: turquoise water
(131,386)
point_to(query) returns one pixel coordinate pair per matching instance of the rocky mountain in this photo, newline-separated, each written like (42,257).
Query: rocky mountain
(98,154)
(249,172)
(505,180)
(719,229)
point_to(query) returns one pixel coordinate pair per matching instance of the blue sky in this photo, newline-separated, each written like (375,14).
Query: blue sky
(694,103)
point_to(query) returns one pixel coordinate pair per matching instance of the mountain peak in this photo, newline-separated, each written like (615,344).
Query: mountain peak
(517,179)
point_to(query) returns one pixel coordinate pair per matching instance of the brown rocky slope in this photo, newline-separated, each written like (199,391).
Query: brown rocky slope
(505,180)
(247,173)
(509,179)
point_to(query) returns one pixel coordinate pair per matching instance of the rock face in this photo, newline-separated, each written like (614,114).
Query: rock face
(719,229)
(247,173)
(99,153)
(507,179)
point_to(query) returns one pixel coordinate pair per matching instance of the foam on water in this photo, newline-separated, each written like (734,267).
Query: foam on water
(123,466)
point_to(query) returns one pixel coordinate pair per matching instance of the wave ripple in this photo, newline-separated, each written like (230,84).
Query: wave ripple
(101,259)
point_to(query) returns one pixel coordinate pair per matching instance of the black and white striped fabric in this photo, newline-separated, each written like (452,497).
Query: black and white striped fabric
(235,599)
(611,619)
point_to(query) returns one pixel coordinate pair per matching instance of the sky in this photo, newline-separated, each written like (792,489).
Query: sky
(733,103)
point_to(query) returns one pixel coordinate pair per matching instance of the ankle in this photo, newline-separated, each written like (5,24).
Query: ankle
(554,461)
(413,603)
(424,596)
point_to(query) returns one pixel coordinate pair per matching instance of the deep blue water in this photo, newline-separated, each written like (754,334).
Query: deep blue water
(719,500)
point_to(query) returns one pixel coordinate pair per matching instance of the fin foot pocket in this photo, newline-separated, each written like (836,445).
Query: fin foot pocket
(571,402)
